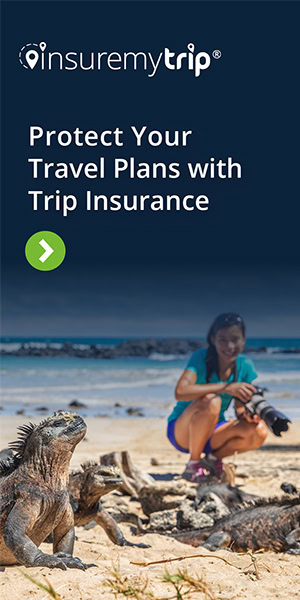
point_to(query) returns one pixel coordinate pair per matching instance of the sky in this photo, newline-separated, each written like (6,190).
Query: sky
(146,299)
(156,273)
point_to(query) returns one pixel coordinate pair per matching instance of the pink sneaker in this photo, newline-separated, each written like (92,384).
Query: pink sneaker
(198,472)
(215,465)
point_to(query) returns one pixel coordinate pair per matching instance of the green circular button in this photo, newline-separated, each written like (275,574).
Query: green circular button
(45,250)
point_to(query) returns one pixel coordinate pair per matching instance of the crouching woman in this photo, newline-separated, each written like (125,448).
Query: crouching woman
(213,376)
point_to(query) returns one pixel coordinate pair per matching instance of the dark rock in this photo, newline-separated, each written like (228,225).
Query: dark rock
(146,347)
(189,518)
(117,405)
(77,404)
(163,520)
(42,409)
(154,462)
(139,348)
(134,411)
(256,350)
(20,412)
(288,351)
(288,488)
(142,348)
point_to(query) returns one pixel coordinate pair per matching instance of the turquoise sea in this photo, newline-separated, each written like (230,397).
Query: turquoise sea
(110,387)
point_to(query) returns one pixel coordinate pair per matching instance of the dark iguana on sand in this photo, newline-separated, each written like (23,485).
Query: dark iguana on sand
(34,494)
(268,523)
(86,487)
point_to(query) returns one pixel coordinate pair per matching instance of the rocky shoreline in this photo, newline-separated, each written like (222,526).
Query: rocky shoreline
(142,348)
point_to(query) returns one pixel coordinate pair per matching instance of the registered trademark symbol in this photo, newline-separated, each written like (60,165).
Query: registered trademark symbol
(217,54)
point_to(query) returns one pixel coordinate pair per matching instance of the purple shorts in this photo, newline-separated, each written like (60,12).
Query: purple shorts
(171,437)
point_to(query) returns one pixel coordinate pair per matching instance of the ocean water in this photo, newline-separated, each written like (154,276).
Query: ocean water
(111,387)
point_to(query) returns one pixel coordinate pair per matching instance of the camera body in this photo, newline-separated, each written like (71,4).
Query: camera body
(274,419)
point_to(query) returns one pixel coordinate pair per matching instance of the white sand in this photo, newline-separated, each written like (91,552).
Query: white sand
(263,471)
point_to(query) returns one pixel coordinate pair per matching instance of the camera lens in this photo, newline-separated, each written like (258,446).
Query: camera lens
(274,419)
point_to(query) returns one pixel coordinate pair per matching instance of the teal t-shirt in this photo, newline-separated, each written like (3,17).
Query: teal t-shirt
(245,371)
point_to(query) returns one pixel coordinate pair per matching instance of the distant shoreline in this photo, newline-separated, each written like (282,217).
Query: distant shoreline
(144,348)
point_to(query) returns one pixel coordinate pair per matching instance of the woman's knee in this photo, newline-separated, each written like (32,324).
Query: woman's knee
(209,404)
(256,434)
(261,432)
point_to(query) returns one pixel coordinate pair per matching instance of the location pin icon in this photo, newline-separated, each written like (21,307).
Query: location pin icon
(32,56)
(43,46)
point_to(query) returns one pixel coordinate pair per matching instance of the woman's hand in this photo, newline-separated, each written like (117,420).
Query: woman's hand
(239,389)
(250,419)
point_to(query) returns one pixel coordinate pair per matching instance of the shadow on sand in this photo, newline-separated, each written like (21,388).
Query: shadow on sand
(280,448)
(164,476)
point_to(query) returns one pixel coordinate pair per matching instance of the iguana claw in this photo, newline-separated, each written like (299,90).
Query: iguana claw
(73,562)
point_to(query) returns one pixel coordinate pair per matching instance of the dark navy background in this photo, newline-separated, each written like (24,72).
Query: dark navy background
(245,106)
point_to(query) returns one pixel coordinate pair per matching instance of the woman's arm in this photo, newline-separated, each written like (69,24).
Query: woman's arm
(187,389)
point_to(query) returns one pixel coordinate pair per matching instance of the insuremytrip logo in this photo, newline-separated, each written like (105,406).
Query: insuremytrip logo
(33,55)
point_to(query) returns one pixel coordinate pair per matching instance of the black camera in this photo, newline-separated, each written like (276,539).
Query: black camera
(274,419)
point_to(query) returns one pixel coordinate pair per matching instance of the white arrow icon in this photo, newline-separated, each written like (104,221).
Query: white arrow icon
(48,251)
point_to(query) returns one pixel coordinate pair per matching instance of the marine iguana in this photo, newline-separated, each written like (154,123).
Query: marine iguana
(34,494)
(5,454)
(86,487)
(231,496)
(172,495)
(268,523)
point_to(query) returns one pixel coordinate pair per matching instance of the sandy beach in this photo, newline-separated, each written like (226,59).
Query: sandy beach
(260,471)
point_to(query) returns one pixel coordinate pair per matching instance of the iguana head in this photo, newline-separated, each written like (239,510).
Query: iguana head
(58,434)
(99,479)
